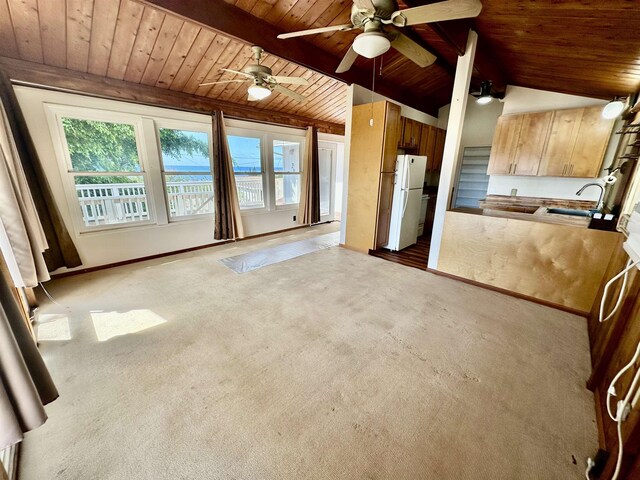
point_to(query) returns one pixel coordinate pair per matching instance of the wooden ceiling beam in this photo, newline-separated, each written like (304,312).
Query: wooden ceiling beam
(241,25)
(23,72)
(455,33)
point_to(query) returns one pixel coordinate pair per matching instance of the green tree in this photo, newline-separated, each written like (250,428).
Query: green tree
(96,146)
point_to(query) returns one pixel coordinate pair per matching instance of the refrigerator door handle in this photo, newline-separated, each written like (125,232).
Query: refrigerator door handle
(406,200)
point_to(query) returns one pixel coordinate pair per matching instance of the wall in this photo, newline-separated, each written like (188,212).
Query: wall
(115,245)
(357,95)
(362,95)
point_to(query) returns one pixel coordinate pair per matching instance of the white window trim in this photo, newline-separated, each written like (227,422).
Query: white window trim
(267,135)
(54,114)
(287,138)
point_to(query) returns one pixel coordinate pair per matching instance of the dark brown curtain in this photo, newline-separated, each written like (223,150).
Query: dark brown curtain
(228,222)
(61,251)
(309,209)
(25,383)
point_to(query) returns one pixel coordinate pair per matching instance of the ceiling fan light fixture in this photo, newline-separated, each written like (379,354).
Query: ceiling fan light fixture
(614,108)
(484,100)
(259,92)
(371,44)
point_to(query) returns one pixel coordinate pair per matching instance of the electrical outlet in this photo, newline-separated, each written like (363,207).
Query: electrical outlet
(514,192)
(294,218)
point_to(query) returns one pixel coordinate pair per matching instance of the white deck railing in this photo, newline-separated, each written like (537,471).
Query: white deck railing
(111,203)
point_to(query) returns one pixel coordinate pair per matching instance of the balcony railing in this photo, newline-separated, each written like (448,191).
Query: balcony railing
(105,204)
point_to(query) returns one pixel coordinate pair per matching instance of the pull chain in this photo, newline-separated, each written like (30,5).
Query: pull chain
(373,88)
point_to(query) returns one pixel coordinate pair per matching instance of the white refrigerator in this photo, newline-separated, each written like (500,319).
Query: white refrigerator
(407,200)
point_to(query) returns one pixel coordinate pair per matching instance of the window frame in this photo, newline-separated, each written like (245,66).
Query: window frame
(266,190)
(287,138)
(55,113)
(187,126)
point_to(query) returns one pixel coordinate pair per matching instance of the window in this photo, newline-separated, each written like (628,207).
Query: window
(105,167)
(246,155)
(287,168)
(187,172)
(473,180)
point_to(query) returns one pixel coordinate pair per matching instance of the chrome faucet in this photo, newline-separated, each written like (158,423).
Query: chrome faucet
(599,204)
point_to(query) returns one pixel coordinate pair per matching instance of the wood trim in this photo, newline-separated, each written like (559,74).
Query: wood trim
(241,25)
(175,252)
(46,76)
(510,293)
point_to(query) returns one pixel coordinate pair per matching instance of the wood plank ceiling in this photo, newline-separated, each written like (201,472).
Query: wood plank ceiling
(125,40)
(582,47)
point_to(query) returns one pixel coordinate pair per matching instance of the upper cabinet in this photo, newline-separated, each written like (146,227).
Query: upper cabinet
(569,143)
(503,149)
(422,139)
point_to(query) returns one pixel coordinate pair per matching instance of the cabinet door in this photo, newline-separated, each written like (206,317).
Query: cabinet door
(428,144)
(400,131)
(503,148)
(591,144)
(560,142)
(438,149)
(416,128)
(385,200)
(390,145)
(407,131)
(533,133)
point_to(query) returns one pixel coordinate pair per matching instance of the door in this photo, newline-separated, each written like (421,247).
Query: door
(504,144)
(439,149)
(410,217)
(385,202)
(327,154)
(560,142)
(533,134)
(591,143)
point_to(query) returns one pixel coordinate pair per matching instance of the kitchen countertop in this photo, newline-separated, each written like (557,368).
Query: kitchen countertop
(534,209)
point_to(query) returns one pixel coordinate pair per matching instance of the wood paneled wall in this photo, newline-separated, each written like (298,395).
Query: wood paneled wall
(613,344)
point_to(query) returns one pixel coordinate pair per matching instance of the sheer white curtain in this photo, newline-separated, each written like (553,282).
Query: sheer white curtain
(22,240)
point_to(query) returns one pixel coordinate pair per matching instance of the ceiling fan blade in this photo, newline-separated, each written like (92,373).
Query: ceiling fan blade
(347,60)
(237,72)
(290,93)
(414,52)
(291,80)
(224,81)
(313,31)
(439,12)
(365,5)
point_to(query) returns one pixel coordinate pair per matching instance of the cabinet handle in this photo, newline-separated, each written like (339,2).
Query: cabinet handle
(571,169)
(509,168)
(515,167)
(564,168)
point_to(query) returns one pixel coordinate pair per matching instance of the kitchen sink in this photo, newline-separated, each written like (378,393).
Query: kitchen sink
(568,211)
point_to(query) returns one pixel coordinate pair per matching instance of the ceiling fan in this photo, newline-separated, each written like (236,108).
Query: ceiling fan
(380,18)
(263,82)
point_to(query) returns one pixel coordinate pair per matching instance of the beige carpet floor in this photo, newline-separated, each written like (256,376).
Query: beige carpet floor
(333,365)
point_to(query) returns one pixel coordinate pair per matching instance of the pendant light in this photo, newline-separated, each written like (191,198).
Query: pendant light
(614,108)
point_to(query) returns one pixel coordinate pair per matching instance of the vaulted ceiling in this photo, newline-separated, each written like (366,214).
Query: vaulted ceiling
(583,47)
(126,40)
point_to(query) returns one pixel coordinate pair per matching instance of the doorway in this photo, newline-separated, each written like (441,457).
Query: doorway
(327,166)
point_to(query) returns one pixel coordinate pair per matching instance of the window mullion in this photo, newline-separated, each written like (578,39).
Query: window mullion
(150,148)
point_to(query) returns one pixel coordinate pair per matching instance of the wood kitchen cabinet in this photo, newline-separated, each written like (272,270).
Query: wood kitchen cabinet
(530,145)
(560,143)
(505,143)
(411,130)
(371,174)
(591,144)
(439,149)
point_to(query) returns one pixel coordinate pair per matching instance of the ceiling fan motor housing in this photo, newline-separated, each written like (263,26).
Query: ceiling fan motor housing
(258,70)
(384,10)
